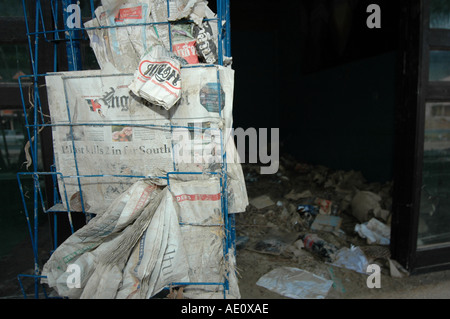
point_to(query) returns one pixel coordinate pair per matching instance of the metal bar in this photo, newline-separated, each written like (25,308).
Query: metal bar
(92,9)
(228,29)
(74,149)
(27,216)
(64,190)
(111,27)
(73,46)
(35,147)
(36,278)
(219,32)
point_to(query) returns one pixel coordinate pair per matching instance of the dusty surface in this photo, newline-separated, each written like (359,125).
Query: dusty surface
(282,218)
(281,222)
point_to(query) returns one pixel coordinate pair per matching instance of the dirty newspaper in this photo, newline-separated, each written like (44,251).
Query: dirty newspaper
(105,138)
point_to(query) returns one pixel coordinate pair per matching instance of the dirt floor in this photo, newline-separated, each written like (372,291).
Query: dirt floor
(270,235)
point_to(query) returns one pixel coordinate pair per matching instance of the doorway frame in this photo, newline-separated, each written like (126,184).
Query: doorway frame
(414,91)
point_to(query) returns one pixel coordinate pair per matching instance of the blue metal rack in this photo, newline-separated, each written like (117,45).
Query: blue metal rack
(35,121)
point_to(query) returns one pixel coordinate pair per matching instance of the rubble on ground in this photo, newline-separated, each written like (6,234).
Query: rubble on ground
(311,215)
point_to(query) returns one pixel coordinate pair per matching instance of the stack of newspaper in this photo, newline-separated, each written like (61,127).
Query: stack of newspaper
(160,173)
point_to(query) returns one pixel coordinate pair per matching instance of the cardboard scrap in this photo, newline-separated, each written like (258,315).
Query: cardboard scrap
(262,201)
(296,196)
(324,205)
(328,223)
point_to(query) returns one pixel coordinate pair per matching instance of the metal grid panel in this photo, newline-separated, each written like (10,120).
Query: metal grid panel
(36,121)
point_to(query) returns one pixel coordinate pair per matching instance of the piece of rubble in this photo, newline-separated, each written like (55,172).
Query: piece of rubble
(324,205)
(274,243)
(296,196)
(327,223)
(262,201)
(366,204)
(397,270)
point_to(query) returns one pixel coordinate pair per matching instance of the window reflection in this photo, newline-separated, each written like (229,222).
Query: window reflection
(439,66)
(434,219)
(440,14)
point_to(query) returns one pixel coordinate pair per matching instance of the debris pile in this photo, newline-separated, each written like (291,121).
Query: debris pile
(313,213)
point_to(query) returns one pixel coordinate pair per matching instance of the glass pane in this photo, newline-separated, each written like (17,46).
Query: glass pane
(434,218)
(12,139)
(440,14)
(439,66)
(14,61)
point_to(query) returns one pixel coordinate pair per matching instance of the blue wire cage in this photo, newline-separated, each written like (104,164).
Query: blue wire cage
(40,32)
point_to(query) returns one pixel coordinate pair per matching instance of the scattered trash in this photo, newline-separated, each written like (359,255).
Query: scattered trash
(396,270)
(295,283)
(146,234)
(326,223)
(241,241)
(374,231)
(324,205)
(308,213)
(351,258)
(366,205)
(274,243)
(313,210)
(317,245)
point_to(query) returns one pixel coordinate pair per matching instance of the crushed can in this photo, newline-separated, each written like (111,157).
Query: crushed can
(320,247)
(308,212)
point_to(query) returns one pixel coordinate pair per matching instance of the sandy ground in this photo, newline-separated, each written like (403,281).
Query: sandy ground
(349,284)
(280,223)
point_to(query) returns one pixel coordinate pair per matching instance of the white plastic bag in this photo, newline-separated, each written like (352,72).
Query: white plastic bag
(295,283)
(374,231)
(351,258)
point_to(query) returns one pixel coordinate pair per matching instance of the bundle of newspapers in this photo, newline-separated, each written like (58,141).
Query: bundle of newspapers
(145,144)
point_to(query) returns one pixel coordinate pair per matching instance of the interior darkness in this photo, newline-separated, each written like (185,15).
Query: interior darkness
(315,70)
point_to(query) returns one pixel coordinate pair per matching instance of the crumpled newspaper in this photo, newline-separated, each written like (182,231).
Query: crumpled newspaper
(157,78)
(123,31)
